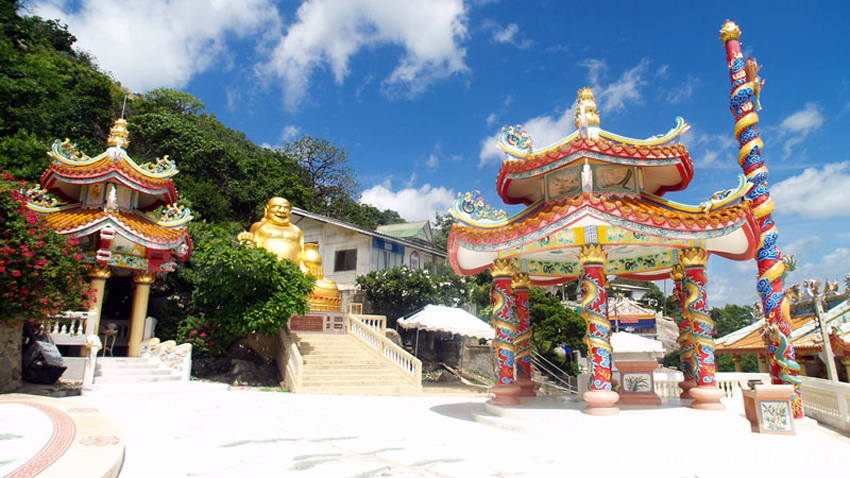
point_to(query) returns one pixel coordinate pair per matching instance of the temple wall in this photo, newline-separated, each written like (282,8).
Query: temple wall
(479,358)
(10,358)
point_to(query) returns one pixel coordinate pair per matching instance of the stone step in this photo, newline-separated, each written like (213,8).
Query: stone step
(121,373)
(360,390)
(353,378)
(123,360)
(342,367)
(138,378)
(127,366)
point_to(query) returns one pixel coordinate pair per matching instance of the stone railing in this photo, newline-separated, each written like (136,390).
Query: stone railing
(176,357)
(68,328)
(667,383)
(92,345)
(378,323)
(410,365)
(293,362)
(827,402)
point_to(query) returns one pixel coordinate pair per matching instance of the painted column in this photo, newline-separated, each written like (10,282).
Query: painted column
(762,364)
(685,339)
(522,341)
(505,322)
(706,395)
(744,102)
(737,360)
(846,362)
(97,275)
(143,281)
(594,311)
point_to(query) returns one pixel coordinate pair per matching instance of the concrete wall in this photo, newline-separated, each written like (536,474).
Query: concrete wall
(332,238)
(480,358)
(10,358)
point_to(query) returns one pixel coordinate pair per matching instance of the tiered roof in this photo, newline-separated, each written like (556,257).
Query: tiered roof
(110,202)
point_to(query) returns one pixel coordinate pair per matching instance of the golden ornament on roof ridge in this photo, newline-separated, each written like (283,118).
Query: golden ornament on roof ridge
(730,31)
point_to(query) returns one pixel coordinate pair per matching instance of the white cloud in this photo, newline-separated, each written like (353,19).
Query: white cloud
(433,162)
(329,32)
(683,92)
(509,34)
(413,204)
(799,125)
(290,132)
(832,266)
(544,130)
(491,119)
(705,148)
(731,282)
(816,193)
(159,43)
(614,96)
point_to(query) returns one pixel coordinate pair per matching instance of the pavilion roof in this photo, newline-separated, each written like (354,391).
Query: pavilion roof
(80,222)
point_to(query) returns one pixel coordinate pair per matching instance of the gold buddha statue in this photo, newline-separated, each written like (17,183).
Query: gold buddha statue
(276,234)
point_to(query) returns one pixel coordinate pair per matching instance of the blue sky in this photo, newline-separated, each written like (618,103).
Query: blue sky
(416,90)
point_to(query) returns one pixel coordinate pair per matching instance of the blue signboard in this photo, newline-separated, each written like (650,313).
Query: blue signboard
(388,246)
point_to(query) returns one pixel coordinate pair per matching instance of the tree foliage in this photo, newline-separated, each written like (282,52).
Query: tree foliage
(553,323)
(236,290)
(730,318)
(40,271)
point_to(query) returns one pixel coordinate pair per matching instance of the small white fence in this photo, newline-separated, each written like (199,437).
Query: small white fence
(827,402)
(385,347)
(667,383)
(68,328)
(294,363)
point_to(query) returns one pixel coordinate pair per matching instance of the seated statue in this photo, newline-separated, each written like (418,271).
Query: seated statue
(275,233)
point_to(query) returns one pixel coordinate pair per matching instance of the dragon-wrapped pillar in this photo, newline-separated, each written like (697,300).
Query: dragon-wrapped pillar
(744,102)
(505,322)
(706,395)
(594,311)
(522,341)
(685,339)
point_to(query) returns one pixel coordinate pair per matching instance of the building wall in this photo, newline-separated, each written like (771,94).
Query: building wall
(332,238)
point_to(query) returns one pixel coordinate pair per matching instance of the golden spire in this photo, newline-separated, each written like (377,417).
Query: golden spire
(118,134)
(730,31)
(586,114)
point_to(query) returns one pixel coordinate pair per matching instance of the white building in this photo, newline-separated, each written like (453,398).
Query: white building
(349,251)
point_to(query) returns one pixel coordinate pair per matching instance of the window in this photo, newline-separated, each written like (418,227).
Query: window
(414,260)
(345,260)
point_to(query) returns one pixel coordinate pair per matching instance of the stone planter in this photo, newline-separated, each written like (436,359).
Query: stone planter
(10,358)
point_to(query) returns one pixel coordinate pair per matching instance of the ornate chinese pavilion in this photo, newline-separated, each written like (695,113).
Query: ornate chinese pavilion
(595,208)
(124,215)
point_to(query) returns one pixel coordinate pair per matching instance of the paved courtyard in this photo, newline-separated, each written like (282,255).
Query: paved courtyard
(219,433)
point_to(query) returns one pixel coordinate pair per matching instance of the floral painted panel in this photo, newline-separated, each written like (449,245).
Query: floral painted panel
(637,383)
(776,416)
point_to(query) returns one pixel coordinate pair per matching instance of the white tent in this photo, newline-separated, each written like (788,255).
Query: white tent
(437,318)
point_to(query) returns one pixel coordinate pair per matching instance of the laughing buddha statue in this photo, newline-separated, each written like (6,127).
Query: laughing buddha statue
(276,234)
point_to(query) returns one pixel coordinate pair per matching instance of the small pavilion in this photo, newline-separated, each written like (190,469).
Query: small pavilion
(124,215)
(594,208)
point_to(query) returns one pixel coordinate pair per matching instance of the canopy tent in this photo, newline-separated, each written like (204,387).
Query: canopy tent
(437,318)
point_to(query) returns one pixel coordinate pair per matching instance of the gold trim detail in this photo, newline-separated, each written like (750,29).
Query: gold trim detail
(502,268)
(99,271)
(520,281)
(144,277)
(730,31)
(593,254)
(696,257)
(118,134)
(677,273)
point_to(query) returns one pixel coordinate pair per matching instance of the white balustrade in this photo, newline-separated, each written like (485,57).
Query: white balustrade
(667,383)
(827,402)
(378,323)
(383,346)
(68,328)
(294,361)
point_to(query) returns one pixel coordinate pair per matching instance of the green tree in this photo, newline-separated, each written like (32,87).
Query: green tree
(40,271)
(442,227)
(398,291)
(554,324)
(730,318)
(236,290)
(325,171)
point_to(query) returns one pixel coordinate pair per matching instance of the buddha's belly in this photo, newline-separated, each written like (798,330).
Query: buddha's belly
(282,248)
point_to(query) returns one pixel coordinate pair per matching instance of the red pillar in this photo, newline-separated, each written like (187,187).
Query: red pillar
(522,341)
(706,395)
(594,311)
(504,320)
(685,339)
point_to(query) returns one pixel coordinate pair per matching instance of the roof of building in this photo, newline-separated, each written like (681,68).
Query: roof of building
(79,222)
(329,220)
(403,229)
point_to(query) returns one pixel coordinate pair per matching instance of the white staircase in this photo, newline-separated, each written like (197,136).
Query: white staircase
(133,370)
(342,364)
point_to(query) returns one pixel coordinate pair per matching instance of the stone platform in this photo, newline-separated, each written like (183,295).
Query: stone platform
(48,437)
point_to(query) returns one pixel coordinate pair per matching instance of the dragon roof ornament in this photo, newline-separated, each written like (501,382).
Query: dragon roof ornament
(470,209)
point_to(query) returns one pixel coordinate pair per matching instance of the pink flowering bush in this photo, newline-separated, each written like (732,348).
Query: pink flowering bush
(40,271)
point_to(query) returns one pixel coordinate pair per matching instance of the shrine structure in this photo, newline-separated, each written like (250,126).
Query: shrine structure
(124,215)
(595,208)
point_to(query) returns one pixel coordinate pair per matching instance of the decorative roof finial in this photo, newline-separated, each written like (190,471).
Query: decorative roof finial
(118,134)
(586,115)
(730,31)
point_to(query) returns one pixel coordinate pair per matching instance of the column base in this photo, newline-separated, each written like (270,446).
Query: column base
(601,402)
(526,386)
(707,398)
(505,394)
(686,386)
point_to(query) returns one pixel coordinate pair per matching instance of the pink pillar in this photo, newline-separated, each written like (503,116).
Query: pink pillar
(522,341)
(504,320)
